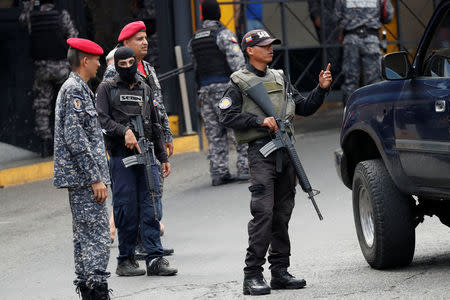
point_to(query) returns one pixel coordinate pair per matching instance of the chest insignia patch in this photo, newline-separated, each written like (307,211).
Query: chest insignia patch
(130,98)
(224,103)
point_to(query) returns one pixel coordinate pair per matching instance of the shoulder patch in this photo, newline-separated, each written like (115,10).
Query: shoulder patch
(224,103)
(77,104)
(234,40)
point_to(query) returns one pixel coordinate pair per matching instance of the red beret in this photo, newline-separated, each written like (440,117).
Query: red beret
(131,29)
(86,46)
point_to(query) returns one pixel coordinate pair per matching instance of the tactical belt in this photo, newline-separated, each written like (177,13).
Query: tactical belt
(362,31)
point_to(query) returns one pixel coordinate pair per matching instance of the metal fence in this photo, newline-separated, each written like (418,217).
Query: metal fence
(319,54)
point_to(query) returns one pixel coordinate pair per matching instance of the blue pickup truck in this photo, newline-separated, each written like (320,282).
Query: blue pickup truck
(395,147)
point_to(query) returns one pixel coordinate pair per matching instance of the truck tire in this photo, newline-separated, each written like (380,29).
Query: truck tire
(384,217)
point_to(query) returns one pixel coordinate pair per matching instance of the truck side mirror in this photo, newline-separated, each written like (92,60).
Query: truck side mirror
(395,66)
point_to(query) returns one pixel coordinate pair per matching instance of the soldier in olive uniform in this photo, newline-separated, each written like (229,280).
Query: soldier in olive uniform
(359,21)
(81,167)
(272,178)
(49,29)
(216,54)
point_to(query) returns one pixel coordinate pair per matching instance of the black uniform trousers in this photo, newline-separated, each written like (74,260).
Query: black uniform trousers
(272,201)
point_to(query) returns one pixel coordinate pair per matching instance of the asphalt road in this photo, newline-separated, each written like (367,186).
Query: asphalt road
(207,228)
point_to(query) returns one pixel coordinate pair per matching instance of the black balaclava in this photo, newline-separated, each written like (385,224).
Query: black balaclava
(210,10)
(126,74)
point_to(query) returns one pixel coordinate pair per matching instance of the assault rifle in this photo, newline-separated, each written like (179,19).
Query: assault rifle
(258,94)
(143,158)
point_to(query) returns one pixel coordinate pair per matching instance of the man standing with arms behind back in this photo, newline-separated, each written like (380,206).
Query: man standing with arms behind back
(272,178)
(81,167)
(216,54)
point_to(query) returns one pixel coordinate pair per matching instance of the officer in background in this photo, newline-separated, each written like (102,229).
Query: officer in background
(216,54)
(48,29)
(331,31)
(359,22)
(81,167)
(134,36)
(119,100)
(273,179)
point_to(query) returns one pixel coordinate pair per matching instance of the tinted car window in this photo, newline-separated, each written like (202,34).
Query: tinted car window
(437,63)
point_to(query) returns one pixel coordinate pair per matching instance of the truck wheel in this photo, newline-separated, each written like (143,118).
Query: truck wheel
(383,217)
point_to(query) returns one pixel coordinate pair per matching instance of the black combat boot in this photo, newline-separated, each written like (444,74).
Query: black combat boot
(129,267)
(255,285)
(83,291)
(100,292)
(160,267)
(281,279)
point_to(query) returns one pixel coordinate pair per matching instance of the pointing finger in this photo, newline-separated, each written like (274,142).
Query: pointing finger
(328,67)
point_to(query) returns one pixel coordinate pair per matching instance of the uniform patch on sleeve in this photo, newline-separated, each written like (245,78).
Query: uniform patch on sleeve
(225,103)
(234,40)
(77,104)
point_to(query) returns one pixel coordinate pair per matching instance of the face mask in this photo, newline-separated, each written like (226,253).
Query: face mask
(126,74)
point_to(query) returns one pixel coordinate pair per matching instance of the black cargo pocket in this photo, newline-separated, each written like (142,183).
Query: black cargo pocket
(256,189)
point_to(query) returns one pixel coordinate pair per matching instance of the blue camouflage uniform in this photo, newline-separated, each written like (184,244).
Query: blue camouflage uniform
(211,90)
(360,21)
(79,161)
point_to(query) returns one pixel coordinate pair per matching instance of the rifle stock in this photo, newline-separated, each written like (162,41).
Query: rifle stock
(259,95)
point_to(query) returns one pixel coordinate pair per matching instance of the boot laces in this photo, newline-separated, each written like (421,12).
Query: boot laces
(78,291)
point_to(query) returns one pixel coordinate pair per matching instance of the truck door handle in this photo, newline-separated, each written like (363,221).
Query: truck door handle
(439,106)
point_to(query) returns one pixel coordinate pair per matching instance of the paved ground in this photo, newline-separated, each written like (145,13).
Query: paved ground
(207,227)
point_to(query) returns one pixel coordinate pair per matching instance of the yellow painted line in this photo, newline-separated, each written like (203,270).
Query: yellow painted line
(189,143)
(20,175)
(41,171)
